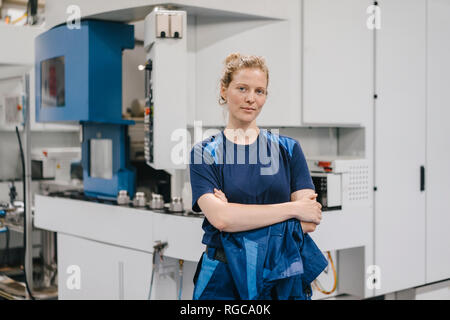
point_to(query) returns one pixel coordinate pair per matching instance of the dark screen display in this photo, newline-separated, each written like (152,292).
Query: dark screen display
(53,82)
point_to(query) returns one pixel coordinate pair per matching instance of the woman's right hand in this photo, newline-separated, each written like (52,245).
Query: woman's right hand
(308,209)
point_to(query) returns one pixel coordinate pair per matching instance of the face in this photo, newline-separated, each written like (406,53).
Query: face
(246,95)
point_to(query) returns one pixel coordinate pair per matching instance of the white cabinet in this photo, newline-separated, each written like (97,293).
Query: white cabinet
(400,145)
(91,270)
(108,250)
(438,141)
(337,62)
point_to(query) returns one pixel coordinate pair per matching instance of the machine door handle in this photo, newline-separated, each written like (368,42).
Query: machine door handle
(422,178)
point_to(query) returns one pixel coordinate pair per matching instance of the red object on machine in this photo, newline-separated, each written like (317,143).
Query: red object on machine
(326,165)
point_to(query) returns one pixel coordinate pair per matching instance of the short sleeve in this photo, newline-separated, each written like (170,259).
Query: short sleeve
(203,175)
(300,176)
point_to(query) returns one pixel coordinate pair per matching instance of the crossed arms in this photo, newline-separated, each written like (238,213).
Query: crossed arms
(235,217)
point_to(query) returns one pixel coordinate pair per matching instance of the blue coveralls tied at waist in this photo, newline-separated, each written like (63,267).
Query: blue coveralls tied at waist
(274,262)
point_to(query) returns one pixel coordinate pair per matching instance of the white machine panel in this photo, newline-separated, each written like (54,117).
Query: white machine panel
(111,248)
(137,229)
(400,145)
(437,181)
(11,110)
(353,176)
(91,270)
(337,62)
(166,103)
(278,41)
(334,183)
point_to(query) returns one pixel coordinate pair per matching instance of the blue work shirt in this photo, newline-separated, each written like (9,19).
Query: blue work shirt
(264,172)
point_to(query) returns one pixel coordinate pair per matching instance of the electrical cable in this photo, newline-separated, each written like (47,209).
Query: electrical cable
(181,262)
(157,249)
(153,274)
(316,283)
(20,18)
(24,214)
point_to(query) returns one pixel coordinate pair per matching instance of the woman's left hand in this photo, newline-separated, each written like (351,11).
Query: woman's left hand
(219,194)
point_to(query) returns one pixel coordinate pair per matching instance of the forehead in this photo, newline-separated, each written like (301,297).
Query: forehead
(250,76)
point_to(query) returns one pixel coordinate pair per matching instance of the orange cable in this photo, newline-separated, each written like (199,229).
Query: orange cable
(316,283)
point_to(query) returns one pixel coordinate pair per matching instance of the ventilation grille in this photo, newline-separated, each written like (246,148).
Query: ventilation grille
(358,188)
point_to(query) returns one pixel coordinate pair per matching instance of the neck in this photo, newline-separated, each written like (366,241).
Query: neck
(242,133)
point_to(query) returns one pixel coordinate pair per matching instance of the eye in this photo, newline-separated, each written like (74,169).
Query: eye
(260,91)
(241,89)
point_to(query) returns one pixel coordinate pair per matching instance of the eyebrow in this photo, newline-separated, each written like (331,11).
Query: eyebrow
(243,84)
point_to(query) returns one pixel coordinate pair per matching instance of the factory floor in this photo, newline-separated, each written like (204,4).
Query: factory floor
(12,286)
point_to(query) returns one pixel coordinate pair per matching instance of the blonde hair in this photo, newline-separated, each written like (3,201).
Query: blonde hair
(236,61)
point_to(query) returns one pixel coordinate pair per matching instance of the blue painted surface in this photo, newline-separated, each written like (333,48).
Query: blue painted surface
(124,176)
(93,70)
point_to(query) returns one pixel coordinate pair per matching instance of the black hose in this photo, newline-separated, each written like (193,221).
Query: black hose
(24,216)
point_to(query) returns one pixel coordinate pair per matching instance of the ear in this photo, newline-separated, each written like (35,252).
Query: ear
(223,93)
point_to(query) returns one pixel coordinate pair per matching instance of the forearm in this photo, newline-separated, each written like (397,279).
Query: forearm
(242,217)
(307,227)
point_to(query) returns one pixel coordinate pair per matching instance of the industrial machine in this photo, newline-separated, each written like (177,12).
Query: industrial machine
(340,182)
(79,80)
(54,163)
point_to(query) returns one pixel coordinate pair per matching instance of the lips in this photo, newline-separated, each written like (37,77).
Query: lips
(249,109)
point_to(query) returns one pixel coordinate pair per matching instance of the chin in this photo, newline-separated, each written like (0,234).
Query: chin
(247,119)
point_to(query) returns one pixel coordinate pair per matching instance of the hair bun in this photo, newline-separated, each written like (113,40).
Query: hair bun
(232,57)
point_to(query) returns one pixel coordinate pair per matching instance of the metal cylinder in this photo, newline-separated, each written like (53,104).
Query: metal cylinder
(140,200)
(123,198)
(176,205)
(157,201)
(48,256)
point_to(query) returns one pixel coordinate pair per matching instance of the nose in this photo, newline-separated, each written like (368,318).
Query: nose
(250,98)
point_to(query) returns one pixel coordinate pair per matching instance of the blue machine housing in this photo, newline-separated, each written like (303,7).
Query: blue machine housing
(85,85)
(124,176)
(93,70)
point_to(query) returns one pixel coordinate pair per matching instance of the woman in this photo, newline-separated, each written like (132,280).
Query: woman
(258,199)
